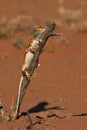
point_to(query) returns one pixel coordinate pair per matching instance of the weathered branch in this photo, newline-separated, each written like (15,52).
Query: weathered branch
(47,35)
(33,57)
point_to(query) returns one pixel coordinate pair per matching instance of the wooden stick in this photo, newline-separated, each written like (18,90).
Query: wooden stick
(29,70)
(30,127)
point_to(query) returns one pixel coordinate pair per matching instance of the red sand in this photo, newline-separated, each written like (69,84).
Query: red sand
(61,79)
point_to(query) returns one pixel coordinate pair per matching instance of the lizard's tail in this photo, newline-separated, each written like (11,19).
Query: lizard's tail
(15,108)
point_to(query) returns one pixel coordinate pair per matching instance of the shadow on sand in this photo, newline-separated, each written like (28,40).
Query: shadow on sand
(40,107)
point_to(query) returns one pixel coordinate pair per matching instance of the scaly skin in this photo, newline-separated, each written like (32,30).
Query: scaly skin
(30,54)
(26,76)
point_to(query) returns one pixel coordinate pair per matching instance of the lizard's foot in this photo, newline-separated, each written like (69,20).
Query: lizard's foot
(25,73)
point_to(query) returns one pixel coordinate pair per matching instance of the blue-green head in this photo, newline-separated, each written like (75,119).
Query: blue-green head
(38,32)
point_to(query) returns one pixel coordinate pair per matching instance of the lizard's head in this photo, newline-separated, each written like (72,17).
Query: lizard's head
(38,32)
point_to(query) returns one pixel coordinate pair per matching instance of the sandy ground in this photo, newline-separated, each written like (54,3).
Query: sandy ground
(60,87)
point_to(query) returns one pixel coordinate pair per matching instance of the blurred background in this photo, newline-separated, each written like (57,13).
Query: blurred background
(62,77)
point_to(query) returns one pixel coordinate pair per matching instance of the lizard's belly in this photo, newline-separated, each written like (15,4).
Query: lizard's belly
(28,58)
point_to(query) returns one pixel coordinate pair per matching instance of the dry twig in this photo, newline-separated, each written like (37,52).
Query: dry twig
(33,61)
